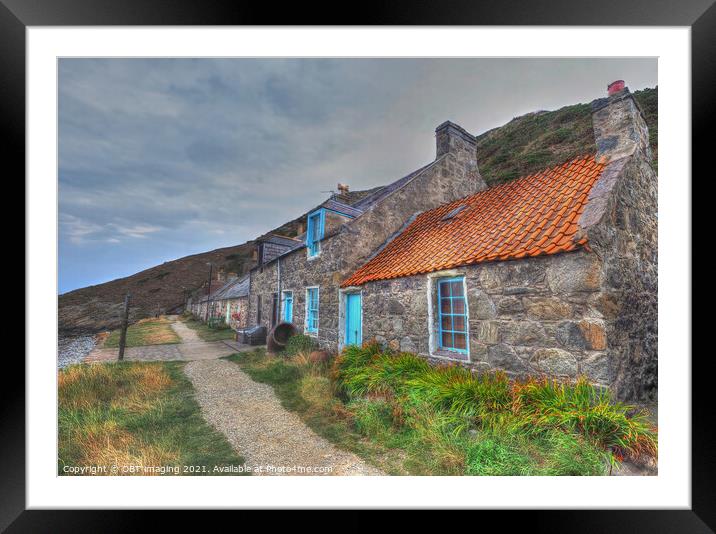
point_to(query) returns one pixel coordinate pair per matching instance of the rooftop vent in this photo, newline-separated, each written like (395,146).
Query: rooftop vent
(453,212)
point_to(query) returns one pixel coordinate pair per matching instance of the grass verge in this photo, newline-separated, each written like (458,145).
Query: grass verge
(209,334)
(407,417)
(139,416)
(153,331)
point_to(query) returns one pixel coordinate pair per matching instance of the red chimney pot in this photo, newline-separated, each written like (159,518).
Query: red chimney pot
(615,87)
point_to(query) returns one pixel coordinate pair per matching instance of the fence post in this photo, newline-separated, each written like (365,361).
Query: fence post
(123,332)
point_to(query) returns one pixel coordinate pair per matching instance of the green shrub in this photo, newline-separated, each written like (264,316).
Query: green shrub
(300,343)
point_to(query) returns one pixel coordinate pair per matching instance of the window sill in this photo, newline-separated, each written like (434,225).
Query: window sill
(445,354)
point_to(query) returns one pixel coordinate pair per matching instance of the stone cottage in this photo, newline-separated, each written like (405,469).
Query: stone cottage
(302,285)
(554,273)
(228,300)
(231,303)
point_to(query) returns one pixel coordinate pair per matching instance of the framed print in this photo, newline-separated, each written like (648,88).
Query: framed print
(427,260)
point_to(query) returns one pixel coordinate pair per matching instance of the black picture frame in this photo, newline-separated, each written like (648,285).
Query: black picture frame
(699,15)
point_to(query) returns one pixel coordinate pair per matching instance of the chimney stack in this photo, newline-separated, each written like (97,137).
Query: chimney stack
(619,126)
(453,139)
(614,87)
(342,192)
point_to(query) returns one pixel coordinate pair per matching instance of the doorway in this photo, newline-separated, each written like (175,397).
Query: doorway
(354,319)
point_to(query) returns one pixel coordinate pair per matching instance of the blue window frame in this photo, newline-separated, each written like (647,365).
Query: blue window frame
(452,314)
(314,231)
(312,309)
(288,306)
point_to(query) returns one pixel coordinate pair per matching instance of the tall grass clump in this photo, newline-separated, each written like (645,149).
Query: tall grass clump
(461,392)
(581,407)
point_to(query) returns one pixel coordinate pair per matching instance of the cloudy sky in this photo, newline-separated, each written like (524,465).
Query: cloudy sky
(160,158)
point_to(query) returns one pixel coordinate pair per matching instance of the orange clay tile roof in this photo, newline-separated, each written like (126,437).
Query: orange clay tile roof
(530,216)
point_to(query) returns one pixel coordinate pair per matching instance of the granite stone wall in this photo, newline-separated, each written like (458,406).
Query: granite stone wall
(527,317)
(624,235)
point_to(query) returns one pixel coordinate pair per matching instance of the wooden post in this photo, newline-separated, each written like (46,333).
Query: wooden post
(208,294)
(123,332)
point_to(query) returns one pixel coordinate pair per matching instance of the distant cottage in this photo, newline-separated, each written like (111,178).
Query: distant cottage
(550,274)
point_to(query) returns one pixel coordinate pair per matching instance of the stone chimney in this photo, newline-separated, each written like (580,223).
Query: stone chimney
(342,194)
(453,139)
(619,126)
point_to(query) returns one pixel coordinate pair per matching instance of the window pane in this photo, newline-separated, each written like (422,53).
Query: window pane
(446,323)
(316,227)
(445,306)
(458,306)
(458,323)
(460,341)
(444,289)
(457,288)
(446,340)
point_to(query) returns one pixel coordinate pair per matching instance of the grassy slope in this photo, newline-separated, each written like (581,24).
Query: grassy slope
(542,139)
(146,332)
(132,413)
(209,334)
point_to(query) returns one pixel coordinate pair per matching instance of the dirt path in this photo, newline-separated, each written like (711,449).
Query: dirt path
(273,440)
(191,348)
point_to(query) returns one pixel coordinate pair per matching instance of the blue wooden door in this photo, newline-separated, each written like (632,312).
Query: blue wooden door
(353,319)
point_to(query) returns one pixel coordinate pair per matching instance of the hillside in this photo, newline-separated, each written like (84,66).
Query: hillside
(526,144)
(545,138)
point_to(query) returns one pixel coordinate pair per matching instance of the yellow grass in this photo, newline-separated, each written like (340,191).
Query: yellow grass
(151,331)
(134,415)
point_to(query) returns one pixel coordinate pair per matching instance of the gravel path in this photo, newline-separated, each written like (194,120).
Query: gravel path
(273,440)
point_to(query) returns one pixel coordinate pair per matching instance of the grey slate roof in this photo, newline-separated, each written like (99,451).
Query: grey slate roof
(236,289)
(279,240)
(340,207)
(217,293)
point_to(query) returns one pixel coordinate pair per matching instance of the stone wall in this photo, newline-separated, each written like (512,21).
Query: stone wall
(625,236)
(526,317)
